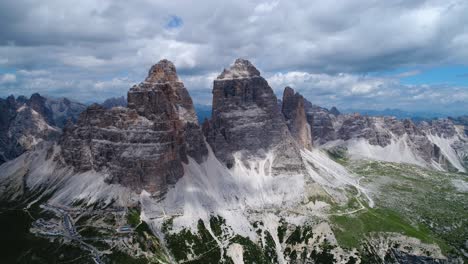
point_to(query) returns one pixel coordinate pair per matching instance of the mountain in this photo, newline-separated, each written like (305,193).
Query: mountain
(145,145)
(63,109)
(24,123)
(461,120)
(247,121)
(439,144)
(262,181)
(398,113)
(114,102)
(294,112)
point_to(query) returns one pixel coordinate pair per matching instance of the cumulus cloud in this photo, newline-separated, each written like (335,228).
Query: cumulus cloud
(338,42)
(351,91)
(7,78)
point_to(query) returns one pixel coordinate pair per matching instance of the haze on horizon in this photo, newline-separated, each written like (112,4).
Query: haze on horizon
(363,54)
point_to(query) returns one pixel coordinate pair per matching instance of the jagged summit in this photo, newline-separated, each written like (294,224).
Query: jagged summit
(334,111)
(293,109)
(161,72)
(240,69)
(246,119)
(145,145)
(288,92)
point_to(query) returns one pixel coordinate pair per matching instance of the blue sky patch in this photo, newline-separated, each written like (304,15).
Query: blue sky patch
(447,74)
(174,22)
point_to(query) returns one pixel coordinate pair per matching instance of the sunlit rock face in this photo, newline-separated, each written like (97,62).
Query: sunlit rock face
(247,121)
(145,145)
(294,112)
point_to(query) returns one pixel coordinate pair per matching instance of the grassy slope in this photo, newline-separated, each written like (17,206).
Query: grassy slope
(410,200)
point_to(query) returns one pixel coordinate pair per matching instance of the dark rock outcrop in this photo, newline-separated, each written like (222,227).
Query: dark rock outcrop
(246,119)
(334,111)
(38,104)
(296,119)
(145,145)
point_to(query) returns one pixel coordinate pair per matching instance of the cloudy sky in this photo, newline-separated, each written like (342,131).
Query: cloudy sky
(407,54)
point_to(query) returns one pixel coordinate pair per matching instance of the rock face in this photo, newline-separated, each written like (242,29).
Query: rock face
(25,122)
(38,104)
(63,109)
(246,120)
(115,102)
(145,145)
(334,111)
(451,140)
(437,143)
(163,99)
(296,119)
(441,127)
(382,130)
(321,122)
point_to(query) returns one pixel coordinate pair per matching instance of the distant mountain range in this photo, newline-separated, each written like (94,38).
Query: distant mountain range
(398,113)
(204,111)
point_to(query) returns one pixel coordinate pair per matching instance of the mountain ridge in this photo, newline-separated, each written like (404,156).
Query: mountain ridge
(246,186)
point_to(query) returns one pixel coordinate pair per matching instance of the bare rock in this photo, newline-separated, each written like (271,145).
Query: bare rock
(321,122)
(247,120)
(145,145)
(296,119)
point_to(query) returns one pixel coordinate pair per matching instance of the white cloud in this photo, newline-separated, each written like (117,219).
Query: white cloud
(266,7)
(7,78)
(32,73)
(408,74)
(82,49)
(349,91)
(84,61)
(121,84)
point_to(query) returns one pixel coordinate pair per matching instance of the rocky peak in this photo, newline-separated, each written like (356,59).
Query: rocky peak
(441,127)
(23,124)
(161,72)
(296,119)
(240,69)
(145,145)
(410,127)
(246,119)
(115,102)
(11,101)
(288,93)
(38,104)
(162,94)
(334,111)
(321,123)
